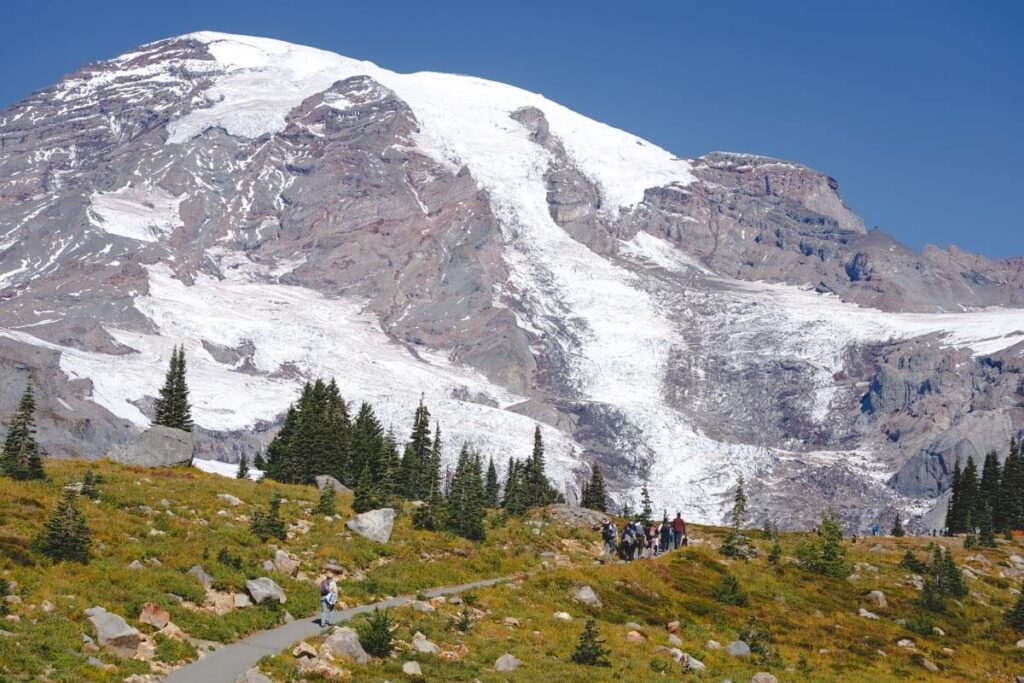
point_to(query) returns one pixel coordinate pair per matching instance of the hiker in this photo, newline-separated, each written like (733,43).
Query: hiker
(678,530)
(652,540)
(665,532)
(628,541)
(876,529)
(328,599)
(609,534)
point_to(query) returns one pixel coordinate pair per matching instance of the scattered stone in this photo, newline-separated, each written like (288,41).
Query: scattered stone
(675,640)
(219,603)
(907,643)
(930,665)
(1020,644)
(241,600)
(422,645)
(12,599)
(304,649)
(877,598)
(253,675)
(154,615)
(263,589)
(581,518)
(421,606)
(455,600)
(412,669)
(511,622)
(172,631)
(866,614)
(738,648)
(763,677)
(673,627)
(136,565)
(634,637)
(375,525)
(285,564)
(938,631)
(322,480)
(713,645)
(587,596)
(506,663)
(46,606)
(229,499)
(204,579)
(344,642)
(633,626)
(563,616)
(113,632)
(691,663)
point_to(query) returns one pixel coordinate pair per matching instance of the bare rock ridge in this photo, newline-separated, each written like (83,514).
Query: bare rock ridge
(289,213)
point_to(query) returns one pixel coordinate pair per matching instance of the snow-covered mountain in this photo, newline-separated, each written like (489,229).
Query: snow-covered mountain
(289,213)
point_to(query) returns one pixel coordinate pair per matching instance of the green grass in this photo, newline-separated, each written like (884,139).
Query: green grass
(50,644)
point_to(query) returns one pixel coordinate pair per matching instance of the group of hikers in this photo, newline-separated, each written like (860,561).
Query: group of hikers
(635,541)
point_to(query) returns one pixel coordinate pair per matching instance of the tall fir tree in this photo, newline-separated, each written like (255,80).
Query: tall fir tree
(594,494)
(1011,490)
(66,534)
(955,523)
(172,406)
(413,478)
(465,503)
(314,438)
(366,445)
(516,501)
(243,467)
(21,458)
(736,544)
(646,511)
(988,488)
(492,487)
(537,488)
(390,467)
(969,494)
(366,495)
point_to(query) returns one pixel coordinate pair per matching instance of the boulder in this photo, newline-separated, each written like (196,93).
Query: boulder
(412,669)
(154,615)
(375,525)
(229,499)
(285,564)
(634,637)
(1020,644)
(675,640)
(304,649)
(253,675)
(113,632)
(713,645)
(506,663)
(763,677)
(930,665)
(171,630)
(562,616)
(906,643)
(573,516)
(204,579)
(136,565)
(587,596)
(344,642)
(421,606)
(241,600)
(322,480)
(877,599)
(157,446)
(738,648)
(866,614)
(691,663)
(422,645)
(512,622)
(264,589)
(673,627)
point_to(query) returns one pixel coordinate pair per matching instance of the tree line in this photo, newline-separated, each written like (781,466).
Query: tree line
(989,503)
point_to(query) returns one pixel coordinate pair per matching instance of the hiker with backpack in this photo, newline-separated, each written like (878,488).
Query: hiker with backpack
(678,530)
(328,599)
(609,534)
(652,540)
(665,533)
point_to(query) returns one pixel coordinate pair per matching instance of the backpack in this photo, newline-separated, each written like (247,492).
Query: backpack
(325,587)
(609,532)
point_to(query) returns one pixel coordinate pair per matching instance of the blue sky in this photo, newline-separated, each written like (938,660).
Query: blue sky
(917,108)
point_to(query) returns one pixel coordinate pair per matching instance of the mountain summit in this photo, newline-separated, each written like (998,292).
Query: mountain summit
(288,213)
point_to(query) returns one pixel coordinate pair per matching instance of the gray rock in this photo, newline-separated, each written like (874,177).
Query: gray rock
(422,645)
(506,663)
(675,640)
(574,516)
(691,663)
(375,525)
(422,606)
(200,575)
(229,499)
(866,614)
(158,446)
(264,589)
(322,480)
(738,648)
(763,677)
(285,564)
(877,599)
(253,675)
(412,668)
(587,596)
(113,632)
(344,642)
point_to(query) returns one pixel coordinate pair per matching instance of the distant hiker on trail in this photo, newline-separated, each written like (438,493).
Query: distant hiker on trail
(678,530)
(665,531)
(609,534)
(628,541)
(328,599)
(652,540)
(876,529)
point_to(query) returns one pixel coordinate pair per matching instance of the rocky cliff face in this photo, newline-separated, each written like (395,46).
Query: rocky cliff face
(288,213)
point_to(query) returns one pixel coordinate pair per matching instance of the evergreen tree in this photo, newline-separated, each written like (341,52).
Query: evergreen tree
(21,458)
(465,503)
(258,462)
(492,488)
(390,467)
(955,521)
(66,535)
(589,651)
(646,511)
(1014,617)
(986,531)
(988,489)
(775,554)
(729,592)
(538,489)
(516,495)
(826,554)
(326,505)
(897,527)
(243,467)
(314,438)
(267,525)
(414,476)
(594,495)
(375,634)
(969,494)
(366,446)
(366,497)
(1011,490)
(90,483)
(736,543)
(172,406)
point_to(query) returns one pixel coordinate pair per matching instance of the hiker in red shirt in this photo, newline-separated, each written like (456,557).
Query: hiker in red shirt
(678,530)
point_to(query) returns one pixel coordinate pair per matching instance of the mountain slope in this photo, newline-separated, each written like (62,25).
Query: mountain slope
(288,213)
